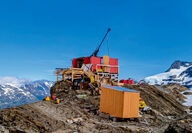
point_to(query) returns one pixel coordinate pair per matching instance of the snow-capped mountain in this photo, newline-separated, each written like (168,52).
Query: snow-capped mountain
(180,72)
(14,91)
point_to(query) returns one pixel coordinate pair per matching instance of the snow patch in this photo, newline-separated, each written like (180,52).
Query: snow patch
(8,91)
(48,84)
(188,101)
(163,78)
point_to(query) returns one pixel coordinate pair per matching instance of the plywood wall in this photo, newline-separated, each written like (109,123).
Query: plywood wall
(119,104)
(106,62)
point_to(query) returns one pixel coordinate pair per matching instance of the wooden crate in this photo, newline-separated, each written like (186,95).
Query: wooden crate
(106,62)
(119,102)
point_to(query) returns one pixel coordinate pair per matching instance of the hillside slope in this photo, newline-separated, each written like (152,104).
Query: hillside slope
(75,114)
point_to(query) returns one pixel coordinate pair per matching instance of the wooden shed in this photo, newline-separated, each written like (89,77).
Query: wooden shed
(119,102)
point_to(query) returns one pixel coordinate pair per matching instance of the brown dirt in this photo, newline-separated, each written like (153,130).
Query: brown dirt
(158,99)
(175,90)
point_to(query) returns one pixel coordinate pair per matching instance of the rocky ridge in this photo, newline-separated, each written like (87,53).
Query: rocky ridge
(164,113)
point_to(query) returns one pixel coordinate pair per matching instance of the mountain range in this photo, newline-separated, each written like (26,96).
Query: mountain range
(180,72)
(14,91)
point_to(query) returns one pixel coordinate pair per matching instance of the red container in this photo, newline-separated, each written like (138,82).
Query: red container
(113,62)
(121,81)
(87,60)
(53,97)
(95,61)
(74,63)
(127,81)
(132,81)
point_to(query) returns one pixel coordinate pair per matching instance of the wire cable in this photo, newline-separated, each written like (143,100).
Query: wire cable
(108,45)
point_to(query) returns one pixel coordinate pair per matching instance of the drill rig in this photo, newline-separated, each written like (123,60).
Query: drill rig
(92,70)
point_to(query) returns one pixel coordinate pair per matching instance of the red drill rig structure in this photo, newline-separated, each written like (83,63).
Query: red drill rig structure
(102,70)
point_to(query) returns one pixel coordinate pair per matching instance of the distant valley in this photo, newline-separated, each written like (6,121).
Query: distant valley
(14,91)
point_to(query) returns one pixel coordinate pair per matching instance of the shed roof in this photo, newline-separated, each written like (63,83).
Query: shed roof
(120,88)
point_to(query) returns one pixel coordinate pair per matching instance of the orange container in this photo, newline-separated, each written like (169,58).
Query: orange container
(119,102)
(106,62)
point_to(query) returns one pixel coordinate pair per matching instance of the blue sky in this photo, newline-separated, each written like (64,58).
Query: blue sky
(147,36)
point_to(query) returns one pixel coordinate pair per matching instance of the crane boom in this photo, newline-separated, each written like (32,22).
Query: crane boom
(97,50)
